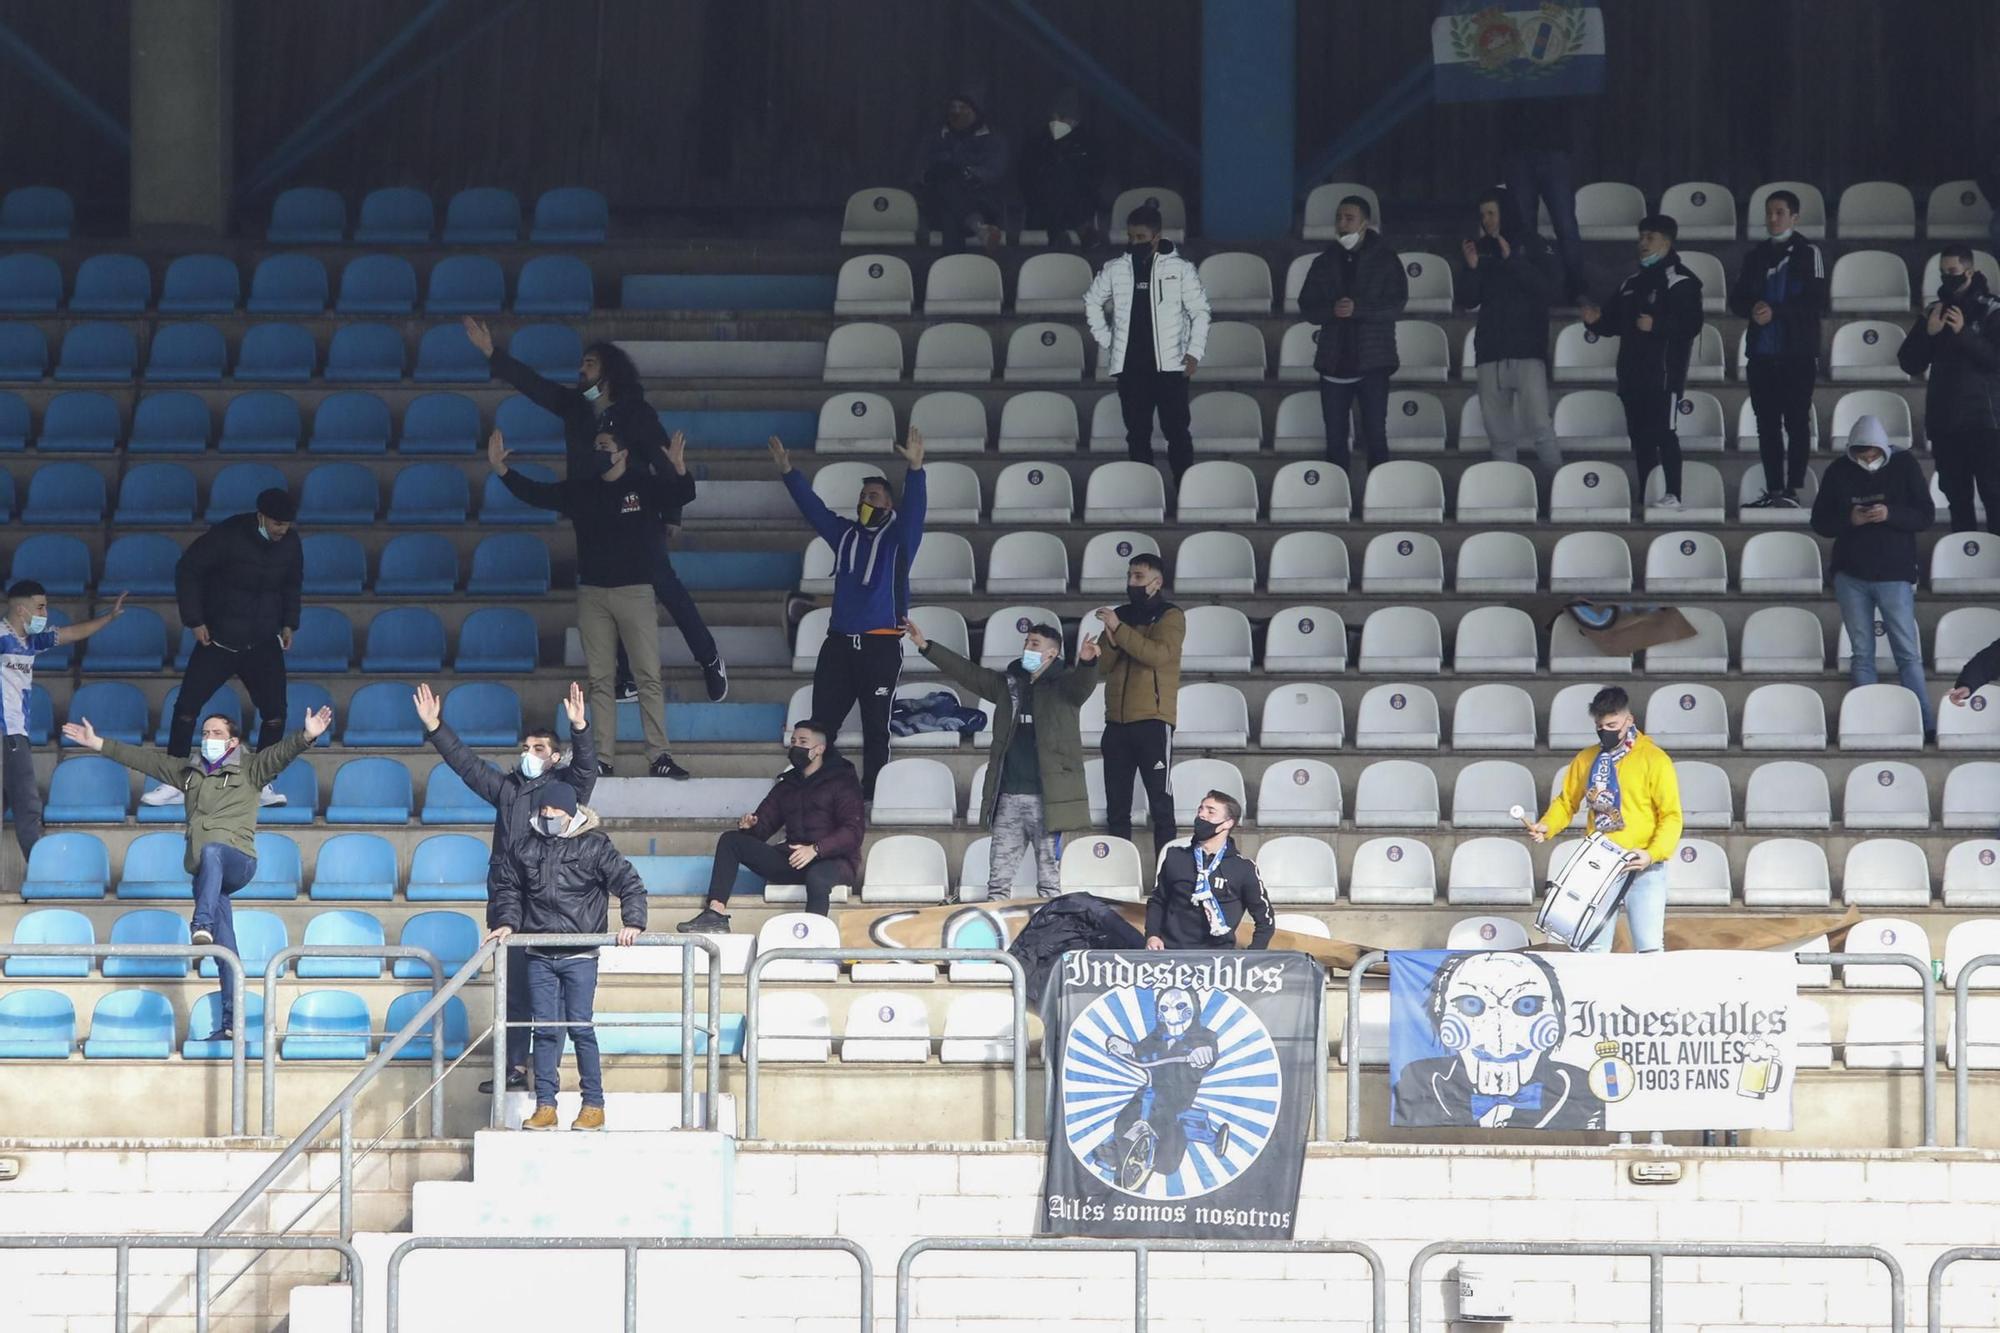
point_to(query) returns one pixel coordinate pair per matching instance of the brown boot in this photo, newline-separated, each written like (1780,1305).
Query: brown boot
(543,1118)
(590,1117)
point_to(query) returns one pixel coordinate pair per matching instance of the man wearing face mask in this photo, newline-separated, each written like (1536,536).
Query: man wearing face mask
(1061,175)
(815,805)
(25,635)
(1355,291)
(1510,277)
(1781,290)
(1155,337)
(961,166)
(1655,315)
(1873,501)
(513,793)
(619,518)
(1206,886)
(1034,792)
(1141,666)
(1957,340)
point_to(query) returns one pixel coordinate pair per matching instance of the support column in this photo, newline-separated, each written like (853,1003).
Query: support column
(1248,111)
(183,115)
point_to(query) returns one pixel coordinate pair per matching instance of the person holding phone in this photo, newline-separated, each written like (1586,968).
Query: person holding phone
(1956,343)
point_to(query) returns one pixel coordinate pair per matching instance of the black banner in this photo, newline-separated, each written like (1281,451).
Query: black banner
(1184,1086)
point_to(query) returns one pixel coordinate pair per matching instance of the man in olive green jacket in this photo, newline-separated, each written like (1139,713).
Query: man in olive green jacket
(1034,790)
(1142,683)
(221,785)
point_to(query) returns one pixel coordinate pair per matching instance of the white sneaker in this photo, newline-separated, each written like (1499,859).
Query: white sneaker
(271,796)
(163,795)
(1669,502)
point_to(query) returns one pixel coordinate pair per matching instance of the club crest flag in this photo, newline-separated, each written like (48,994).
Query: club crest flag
(1182,1088)
(1558,1041)
(1484,51)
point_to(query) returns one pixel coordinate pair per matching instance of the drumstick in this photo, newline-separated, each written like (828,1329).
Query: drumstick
(1517,813)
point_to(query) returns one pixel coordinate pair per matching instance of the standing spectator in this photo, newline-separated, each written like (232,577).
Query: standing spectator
(619,516)
(1141,666)
(862,657)
(1355,291)
(816,805)
(561,884)
(1782,292)
(1206,885)
(24,636)
(1655,315)
(1157,334)
(1062,175)
(1957,339)
(238,587)
(1873,502)
(961,167)
(513,794)
(219,786)
(1510,277)
(1538,132)
(1034,792)
(608,396)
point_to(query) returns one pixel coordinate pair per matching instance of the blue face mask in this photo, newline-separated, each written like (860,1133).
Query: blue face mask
(531,766)
(265,533)
(213,748)
(1647,261)
(1031,661)
(36,624)
(594,392)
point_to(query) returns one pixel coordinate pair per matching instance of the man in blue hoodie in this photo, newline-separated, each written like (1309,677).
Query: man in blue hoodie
(862,657)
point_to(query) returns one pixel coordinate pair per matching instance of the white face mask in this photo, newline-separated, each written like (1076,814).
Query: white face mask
(36,624)
(1059,129)
(1352,239)
(1031,661)
(1782,236)
(213,748)
(1875,464)
(594,392)
(531,766)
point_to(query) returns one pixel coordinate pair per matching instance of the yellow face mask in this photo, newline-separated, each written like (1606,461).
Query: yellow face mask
(867,513)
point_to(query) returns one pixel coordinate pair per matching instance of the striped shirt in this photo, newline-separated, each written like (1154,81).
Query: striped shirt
(17,674)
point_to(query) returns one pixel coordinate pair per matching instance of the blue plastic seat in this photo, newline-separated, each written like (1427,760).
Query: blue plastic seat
(484,712)
(299,785)
(498,638)
(151,925)
(155,493)
(55,659)
(259,935)
(483,215)
(447,800)
(225,701)
(288,285)
(395,217)
(29,285)
(68,865)
(452,936)
(174,422)
(97,352)
(324,642)
(51,925)
(17,423)
(554,285)
(370,791)
(446,356)
(336,565)
(407,639)
(406,1007)
(141,563)
(55,560)
(201,285)
(116,708)
(186,353)
(64,495)
(377,285)
(307,215)
(276,353)
(429,495)
(88,789)
(111,285)
(417,564)
(136,641)
(154,869)
(529,428)
(36,213)
(447,867)
(280,874)
(441,423)
(261,422)
(342,926)
(353,421)
(236,488)
(80,423)
(326,1025)
(24,352)
(6,496)
(465,285)
(355,868)
(339,493)
(499,505)
(571,215)
(205,1016)
(509,564)
(301,697)
(132,1024)
(382,714)
(553,350)
(362,352)
(36,1025)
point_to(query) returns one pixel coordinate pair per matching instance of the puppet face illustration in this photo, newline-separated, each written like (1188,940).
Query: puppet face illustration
(1499,1014)
(1176,1011)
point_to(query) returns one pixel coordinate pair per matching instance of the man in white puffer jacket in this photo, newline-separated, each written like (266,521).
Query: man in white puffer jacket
(1156,335)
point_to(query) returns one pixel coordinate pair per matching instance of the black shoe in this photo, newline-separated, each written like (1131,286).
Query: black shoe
(665,767)
(517,1081)
(628,692)
(604,769)
(1775,500)
(707,921)
(221,1034)
(716,676)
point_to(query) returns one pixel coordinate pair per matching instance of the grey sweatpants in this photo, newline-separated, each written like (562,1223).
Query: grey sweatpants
(1017,825)
(1514,399)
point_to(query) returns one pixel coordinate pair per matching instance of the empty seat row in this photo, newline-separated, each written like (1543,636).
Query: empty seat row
(412,564)
(451,937)
(1704,210)
(140,1024)
(377,715)
(90,789)
(444,867)
(195,353)
(483,215)
(886,215)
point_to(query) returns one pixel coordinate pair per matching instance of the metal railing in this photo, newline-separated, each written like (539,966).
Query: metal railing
(1657,1255)
(1934,1293)
(1141,1252)
(203,1246)
(1017,982)
(630,1247)
(1961,1075)
(225,962)
(274,972)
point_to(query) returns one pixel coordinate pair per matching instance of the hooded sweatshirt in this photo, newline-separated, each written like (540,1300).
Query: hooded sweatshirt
(562,885)
(871,564)
(1964,392)
(1883,552)
(1511,293)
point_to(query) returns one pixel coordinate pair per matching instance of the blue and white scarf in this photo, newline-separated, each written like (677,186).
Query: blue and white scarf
(1602,795)
(1204,896)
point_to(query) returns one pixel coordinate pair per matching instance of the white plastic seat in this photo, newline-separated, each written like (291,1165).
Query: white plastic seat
(1705,358)
(1298,868)
(1705,797)
(1787,793)
(1397,717)
(880,216)
(1301,924)
(1192,779)
(1396,793)
(886,1027)
(1983,261)
(1813,976)
(1957,211)
(1750,488)
(1490,872)
(1310,492)
(1887,406)
(962,284)
(1220,562)
(1701,426)
(1493,491)
(1429,279)
(1218,491)
(1687,562)
(1218,640)
(1415,423)
(954,493)
(1046,351)
(1701,495)
(1869,282)
(1687,717)
(1402,562)
(1300,426)
(798,930)
(873,285)
(1974,726)
(1038,422)
(1969,940)
(1877,210)
(948,353)
(1783,717)
(1402,639)
(1213,716)
(1487,933)
(1106,866)
(1472,437)
(1982,1033)
(1884,1033)
(978,1029)
(858,423)
(1424,352)
(1783,640)
(1866,350)
(1296,351)
(914,791)
(1781,562)
(1364,1036)
(940,624)
(1237,282)
(1704,210)
(1493,717)
(1590,492)
(1714,281)
(1972,874)
(1886,872)
(974,870)
(951,421)
(1888,935)
(1032,493)
(793,1027)
(1570,653)
(1698,875)
(1403,491)
(1124,492)
(1297,793)
(1592,419)
(1961,632)
(1493,640)
(849,733)
(905,868)
(1971,796)
(836,484)
(1301,715)
(1305,640)
(1225,421)
(1308,562)
(1787,872)
(1965,562)
(1323,202)
(1235,352)
(1569,723)
(1006,628)
(1706,651)
(1051,284)
(932,740)
(1590,562)
(1812,207)
(1090,719)
(1583,356)
(1881,717)
(1173,209)
(1495,562)
(864,353)
(1608,210)
(1020,562)
(1484,791)
(1107,557)
(1392,872)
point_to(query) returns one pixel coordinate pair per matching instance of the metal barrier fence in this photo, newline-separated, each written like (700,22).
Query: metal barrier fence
(630,1247)
(1141,1252)
(1017,982)
(274,972)
(1934,1293)
(203,1246)
(1657,1254)
(1961,1074)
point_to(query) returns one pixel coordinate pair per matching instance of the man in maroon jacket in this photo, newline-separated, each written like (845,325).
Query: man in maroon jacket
(816,804)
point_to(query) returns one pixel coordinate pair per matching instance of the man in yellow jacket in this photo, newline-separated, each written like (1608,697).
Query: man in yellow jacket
(1627,790)
(1141,670)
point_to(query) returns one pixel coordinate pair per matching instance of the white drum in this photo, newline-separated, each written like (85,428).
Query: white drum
(1582,899)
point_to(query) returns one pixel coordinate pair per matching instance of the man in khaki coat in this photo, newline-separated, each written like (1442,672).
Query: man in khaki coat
(1141,667)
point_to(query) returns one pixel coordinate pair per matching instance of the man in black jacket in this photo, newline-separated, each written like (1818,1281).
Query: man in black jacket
(513,794)
(608,396)
(1979,671)
(1781,290)
(620,517)
(1511,278)
(1655,315)
(1062,175)
(1957,339)
(561,884)
(1355,291)
(1206,885)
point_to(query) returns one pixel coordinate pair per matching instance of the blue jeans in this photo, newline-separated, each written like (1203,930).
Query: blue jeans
(1549,175)
(1645,909)
(219,871)
(562,989)
(1896,602)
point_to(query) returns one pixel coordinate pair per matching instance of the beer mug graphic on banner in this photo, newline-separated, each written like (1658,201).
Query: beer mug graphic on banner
(1761,1071)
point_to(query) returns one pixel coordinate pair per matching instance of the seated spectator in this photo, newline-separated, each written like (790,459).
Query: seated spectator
(1206,884)
(1062,174)
(960,168)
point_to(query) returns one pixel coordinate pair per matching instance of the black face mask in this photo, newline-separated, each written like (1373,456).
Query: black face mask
(1950,285)
(1608,739)
(800,756)
(1136,596)
(1204,829)
(597,464)
(1139,252)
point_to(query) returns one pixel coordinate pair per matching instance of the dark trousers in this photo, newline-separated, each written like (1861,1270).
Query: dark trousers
(863,668)
(1649,419)
(1337,403)
(219,871)
(1144,750)
(737,848)
(953,208)
(261,668)
(519,1010)
(1547,175)
(17,773)
(562,988)
(1141,394)
(1969,460)
(673,595)
(1781,390)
